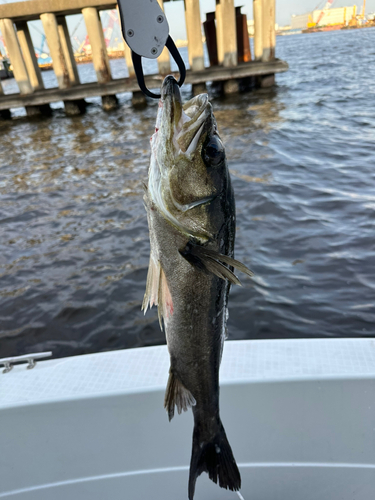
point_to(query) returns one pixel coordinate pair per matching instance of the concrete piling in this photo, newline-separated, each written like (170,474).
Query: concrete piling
(29,57)
(268,39)
(258,26)
(219,31)
(19,67)
(195,44)
(32,67)
(98,49)
(67,51)
(268,30)
(60,64)
(77,106)
(99,53)
(226,33)
(164,61)
(194,35)
(55,47)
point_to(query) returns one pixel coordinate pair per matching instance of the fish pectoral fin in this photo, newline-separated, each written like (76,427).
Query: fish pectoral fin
(152,285)
(214,262)
(177,395)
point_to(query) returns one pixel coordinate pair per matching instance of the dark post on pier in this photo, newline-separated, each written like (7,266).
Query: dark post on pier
(231,62)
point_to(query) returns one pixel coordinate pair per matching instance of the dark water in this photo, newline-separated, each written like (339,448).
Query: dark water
(73,232)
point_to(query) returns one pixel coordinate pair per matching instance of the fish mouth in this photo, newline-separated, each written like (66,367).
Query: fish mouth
(181,125)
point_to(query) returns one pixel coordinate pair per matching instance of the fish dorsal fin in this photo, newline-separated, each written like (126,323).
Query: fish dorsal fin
(177,395)
(213,262)
(157,292)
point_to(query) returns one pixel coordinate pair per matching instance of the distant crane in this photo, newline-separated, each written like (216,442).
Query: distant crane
(42,42)
(85,45)
(363,9)
(326,7)
(39,52)
(311,23)
(5,47)
(108,31)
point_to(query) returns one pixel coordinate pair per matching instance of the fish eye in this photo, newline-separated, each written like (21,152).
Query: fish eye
(213,152)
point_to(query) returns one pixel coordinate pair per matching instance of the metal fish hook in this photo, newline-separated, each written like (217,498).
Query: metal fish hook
(137,63)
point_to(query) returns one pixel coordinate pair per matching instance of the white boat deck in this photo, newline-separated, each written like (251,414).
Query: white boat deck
(299,414)
(147,368)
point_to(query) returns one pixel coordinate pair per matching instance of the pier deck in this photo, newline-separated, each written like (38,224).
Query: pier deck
(226,38)
(120,85)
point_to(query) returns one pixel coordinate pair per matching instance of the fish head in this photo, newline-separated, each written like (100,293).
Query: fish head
(188,168)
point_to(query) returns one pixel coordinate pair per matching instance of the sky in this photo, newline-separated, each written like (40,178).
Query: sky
(176,19)
(284,11)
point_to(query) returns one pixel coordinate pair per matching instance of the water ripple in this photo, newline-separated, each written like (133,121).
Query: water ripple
(73,232)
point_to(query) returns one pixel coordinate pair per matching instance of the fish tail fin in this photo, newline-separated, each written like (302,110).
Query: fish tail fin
(214,457)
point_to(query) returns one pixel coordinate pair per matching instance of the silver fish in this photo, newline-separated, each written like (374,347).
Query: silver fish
(191,218)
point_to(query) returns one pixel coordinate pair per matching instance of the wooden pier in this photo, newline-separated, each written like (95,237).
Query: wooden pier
(227,42)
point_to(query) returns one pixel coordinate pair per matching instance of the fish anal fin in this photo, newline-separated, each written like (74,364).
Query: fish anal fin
(177,395)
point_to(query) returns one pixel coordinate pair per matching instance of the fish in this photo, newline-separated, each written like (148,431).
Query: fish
(191,217)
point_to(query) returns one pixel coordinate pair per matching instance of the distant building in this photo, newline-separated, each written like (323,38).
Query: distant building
(319,18)
(250,27)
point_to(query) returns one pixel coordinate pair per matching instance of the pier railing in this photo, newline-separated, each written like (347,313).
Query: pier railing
(226,36)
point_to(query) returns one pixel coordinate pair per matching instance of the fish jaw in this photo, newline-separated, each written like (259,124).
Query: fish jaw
(179,181)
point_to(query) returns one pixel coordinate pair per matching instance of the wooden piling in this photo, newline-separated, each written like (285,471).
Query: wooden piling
(210,34)
(99,53)
(164,62)
(258,25)
(268,38)
(19,67)
(243,42)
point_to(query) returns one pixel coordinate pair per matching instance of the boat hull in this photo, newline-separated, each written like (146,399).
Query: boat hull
(299,415)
